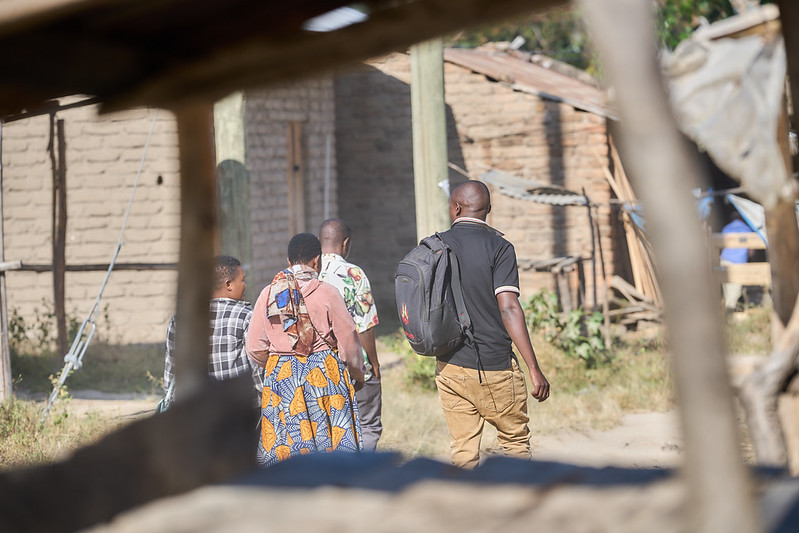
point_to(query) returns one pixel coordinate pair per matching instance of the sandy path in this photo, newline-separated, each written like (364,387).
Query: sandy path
(641,440)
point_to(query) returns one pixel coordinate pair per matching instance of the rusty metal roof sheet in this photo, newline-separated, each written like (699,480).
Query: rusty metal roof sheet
(524,76)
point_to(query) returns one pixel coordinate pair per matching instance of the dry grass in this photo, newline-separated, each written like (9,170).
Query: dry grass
(23,442)
(637,379)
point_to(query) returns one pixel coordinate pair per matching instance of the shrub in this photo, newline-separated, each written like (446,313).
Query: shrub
(577,333)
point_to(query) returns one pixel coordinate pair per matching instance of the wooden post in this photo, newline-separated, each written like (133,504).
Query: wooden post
(59,228)
(234,182)
(5,351)
(296,179)
(720,493)
(429,138)
(197,237)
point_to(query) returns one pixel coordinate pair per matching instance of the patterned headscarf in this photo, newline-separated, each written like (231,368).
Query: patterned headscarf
(286,301)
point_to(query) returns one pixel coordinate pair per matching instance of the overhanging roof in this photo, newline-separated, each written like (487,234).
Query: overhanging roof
(524,76)
(160,52)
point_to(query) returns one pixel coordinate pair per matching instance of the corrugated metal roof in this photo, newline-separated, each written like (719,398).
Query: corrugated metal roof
(532,191)
(528,77)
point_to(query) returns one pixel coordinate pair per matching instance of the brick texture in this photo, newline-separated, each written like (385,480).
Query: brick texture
(103,154)
(268,113)
(489,126)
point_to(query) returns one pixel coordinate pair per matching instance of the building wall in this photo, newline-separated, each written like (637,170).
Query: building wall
(489,126)
(103,154)
(268,113)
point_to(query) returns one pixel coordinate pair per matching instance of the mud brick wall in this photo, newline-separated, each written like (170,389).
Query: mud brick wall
(103,154)
(489,125)
(268,113)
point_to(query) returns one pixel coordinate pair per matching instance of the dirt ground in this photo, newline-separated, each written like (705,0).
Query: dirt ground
(642,440)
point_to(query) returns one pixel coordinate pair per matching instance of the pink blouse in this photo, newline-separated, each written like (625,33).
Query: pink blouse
(330,317)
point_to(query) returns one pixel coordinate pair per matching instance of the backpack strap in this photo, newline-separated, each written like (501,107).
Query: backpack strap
(460,304)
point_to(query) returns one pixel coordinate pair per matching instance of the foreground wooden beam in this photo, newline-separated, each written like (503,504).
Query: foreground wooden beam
(197,238)
(204,439)
(665,170)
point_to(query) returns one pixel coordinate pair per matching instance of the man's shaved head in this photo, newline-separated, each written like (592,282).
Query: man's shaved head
(470,199)
(334,235)
(334,231)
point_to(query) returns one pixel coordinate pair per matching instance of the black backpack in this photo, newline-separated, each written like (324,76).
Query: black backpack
(430,303)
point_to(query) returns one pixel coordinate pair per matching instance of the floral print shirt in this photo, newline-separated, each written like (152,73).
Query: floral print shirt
(353,285)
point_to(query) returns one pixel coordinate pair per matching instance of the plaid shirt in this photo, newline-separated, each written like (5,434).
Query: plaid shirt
(228,358)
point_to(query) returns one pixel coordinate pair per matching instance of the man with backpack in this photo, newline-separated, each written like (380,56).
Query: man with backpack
(481,380)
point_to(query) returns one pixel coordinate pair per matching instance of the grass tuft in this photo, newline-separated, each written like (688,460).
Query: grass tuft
(23,442)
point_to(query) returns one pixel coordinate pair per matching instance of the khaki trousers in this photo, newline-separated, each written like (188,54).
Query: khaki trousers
(501,400)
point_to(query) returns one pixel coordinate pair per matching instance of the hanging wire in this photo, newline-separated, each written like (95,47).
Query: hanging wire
(73,360)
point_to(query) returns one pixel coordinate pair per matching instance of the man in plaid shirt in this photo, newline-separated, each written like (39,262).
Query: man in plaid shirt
(230,318)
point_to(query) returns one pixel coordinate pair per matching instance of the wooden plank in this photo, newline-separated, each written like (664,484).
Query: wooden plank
(93,267)
(737,240)
(204,439)
(198,232)
(665,169)
(745,274)
(429,127)
(295,179)
(6,389)
(58,159)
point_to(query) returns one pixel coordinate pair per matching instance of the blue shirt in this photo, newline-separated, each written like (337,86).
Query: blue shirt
(736,255)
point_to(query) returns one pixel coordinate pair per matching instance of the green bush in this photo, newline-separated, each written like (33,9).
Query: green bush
(577,333)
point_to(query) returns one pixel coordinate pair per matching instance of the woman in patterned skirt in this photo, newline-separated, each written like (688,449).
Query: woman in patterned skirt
(304,337)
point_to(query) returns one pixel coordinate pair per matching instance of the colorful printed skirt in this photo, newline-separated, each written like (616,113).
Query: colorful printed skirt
(308,405)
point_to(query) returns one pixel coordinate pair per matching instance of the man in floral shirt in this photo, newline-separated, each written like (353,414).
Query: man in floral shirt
(353,285)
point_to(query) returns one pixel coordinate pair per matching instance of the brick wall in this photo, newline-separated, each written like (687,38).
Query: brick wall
(268,113)
(489,126)
(103,155)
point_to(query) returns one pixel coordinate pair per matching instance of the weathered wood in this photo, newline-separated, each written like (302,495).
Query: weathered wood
(751,241)
(91,267)
(788,413)
(197,236)
(234,181)
(58,160)
(207,438)
(295,178)
(789,18)
(630,292)
(783,257)
(429,138)
(760,392)
(745,274)
(5,350)
(664,170)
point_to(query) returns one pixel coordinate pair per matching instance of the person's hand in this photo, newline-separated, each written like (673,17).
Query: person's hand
(540,385)
(358,384)
(376,371)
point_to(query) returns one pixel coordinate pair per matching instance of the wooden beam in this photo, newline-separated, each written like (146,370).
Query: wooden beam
(58,159)
(257,60)
(233,176)
(720,494)
(197,236)
(295,178)
(200,440)
(428,114)
(92,267)
(6,389)
(745,274)
(737,240)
